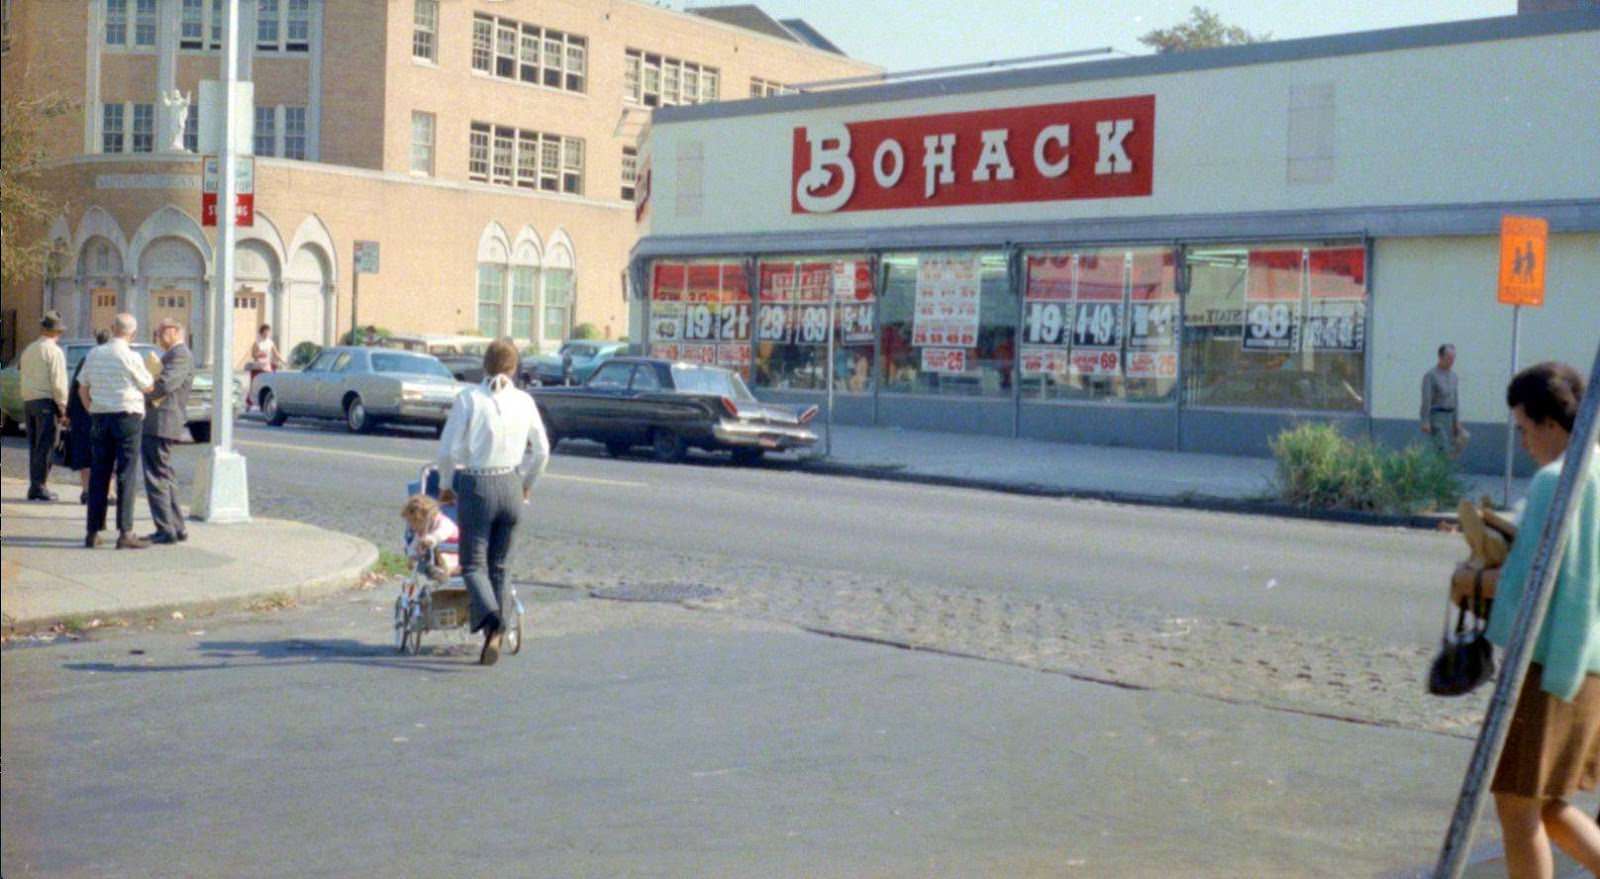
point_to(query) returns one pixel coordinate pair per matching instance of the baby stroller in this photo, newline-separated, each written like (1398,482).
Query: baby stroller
(426,604)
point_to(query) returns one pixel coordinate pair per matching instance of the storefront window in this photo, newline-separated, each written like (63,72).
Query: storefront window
(1099,324)
(948,324)
(700,313)
(1279,326)
(792,323)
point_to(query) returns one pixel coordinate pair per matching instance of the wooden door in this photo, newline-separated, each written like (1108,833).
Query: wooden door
(170,303)
(248,308)
(102,309)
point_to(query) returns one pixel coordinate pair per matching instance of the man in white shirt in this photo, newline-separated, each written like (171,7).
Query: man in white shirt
(496,438)
(43,380)
(112,387)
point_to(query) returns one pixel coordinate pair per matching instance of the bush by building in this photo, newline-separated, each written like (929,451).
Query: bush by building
(1320,468)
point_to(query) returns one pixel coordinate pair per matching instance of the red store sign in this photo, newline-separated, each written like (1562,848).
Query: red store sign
(1047,152)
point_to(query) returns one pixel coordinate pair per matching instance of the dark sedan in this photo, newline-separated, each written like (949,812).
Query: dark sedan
(672,407)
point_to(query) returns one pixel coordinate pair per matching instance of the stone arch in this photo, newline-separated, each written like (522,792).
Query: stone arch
(100,279)
(171,258)
(311,285)
(97,222)
(494,245)
(560,254)
(173,222)
(312,231)
(558,288)
(527,250)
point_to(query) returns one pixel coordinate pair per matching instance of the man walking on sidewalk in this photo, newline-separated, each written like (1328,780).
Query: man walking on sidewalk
(113,385)
(1439,403)
(43,374)
(163,426)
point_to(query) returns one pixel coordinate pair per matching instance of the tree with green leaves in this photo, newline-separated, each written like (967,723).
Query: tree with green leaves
(1204,30)
(23,204)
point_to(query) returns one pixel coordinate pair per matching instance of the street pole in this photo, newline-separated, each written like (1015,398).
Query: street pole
(1511,427)
(827,446)
(355,294)
(222,489)
(1525,629)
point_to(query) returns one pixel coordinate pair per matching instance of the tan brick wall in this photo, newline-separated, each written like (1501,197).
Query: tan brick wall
(47,57)
(353,81)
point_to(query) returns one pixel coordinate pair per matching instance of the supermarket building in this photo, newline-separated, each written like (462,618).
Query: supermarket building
(488,147)
(1185,251)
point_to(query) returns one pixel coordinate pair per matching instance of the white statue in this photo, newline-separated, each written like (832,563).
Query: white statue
(177,117)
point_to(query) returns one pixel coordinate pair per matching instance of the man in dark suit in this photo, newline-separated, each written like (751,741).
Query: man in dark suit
(164,425)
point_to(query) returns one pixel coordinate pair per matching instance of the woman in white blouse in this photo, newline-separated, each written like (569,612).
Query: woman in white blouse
(492,449)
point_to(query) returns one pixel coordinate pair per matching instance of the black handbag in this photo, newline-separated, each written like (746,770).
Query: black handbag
(1465,659)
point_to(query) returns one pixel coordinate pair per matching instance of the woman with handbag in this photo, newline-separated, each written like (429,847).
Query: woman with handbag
(1552,748)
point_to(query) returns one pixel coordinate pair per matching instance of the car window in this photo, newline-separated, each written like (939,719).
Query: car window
(75,355)
(612,375)
(409,364)
(324,362)
(582,351)
(709,380)
(342,362)
(645,378)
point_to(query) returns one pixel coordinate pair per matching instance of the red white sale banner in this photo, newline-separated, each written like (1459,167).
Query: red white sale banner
(1046,152)
(945,360)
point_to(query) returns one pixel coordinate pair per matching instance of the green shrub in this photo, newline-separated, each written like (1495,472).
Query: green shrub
(1320,468)
(585,331)
(302,354)
(359,336)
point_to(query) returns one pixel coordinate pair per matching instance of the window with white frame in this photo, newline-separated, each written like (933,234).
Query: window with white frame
(144,128)
(766,88)
(658,81)
(422,143)
(266,131)
(116,22)
(294,132)
(515,50)
(192,25)
(491,292)
(630,172)
(281,25)
(508,156)
(191,129)
(218,21)
(524,280)
(425,30)
(557,302)
(111,128)
(144,24)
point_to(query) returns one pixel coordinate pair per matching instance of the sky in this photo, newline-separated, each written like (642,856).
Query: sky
(912,34)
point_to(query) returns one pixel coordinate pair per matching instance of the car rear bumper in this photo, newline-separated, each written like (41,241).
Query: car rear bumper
(763,436)
(419,413)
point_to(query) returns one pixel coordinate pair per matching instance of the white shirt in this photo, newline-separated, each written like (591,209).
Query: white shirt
(116,378)
(491,426)
(43,369)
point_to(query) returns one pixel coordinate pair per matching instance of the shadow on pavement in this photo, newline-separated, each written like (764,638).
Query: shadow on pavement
(46,542)
(298,651)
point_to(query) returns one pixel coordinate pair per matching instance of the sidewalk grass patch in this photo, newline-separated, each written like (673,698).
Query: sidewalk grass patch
(1320,468)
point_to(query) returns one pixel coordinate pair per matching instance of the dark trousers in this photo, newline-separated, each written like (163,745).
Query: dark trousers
(116,438)
(43,431)
(161,485)
(488,507)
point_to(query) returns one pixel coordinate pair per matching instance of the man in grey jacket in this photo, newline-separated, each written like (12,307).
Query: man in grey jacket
(164,425)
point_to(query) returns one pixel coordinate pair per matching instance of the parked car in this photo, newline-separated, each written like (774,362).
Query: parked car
(364,387)
(12,417)
(462,355)
(572,365)
(672,407)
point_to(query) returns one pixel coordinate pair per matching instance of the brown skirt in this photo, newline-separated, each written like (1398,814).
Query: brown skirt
(1553,747)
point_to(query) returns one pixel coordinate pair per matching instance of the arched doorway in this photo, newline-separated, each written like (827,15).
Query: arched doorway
(173,274)
(255,283)
(306,308)
(100,285)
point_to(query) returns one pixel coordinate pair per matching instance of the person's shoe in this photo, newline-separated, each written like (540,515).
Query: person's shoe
(43,494)
(91,541)
(161,538)
(182,536)
(128,540)
(491,648)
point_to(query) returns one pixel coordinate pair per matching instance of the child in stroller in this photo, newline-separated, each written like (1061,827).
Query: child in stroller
(431,536)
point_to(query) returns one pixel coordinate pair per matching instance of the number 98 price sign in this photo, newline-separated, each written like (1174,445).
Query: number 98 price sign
(1271,326)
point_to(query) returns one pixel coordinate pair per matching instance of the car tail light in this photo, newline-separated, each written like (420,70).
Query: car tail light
(729,407)
(806,416)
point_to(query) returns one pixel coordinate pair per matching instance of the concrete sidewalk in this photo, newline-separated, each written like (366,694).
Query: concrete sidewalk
(1027,466)
(47,576)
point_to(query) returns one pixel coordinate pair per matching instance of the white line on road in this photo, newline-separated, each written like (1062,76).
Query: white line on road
(373,456)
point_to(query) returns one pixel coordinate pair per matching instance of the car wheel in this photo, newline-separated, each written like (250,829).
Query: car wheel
(616,448)
(355,416)
(201,431)
(747,457)
(269,406)
(668,446)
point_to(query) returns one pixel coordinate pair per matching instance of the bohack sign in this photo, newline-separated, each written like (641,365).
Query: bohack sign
(1046,152)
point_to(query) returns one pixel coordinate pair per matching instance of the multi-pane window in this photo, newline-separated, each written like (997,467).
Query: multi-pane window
(528,159)
(266,131)
(516,50)
(478,152)
(281,25)
(116,22)
(268,13)
(192,25)
(425,30)
(657,81)
(191,129)
(218,20)
(294,132)
(111,128)
(630,172)
(557,302)
(422,143)
(144,128)
(523,280)
(766,88)
(491,292)
(144,23)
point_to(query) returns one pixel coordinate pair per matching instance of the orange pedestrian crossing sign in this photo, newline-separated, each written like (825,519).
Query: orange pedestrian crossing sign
(1522,249)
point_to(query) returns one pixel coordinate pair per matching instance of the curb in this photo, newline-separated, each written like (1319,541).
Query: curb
(1209,503)
(306,590)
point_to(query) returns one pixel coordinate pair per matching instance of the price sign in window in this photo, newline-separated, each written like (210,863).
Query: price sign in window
(701,312)
(1336,310)
(1272,300)
(791,323)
